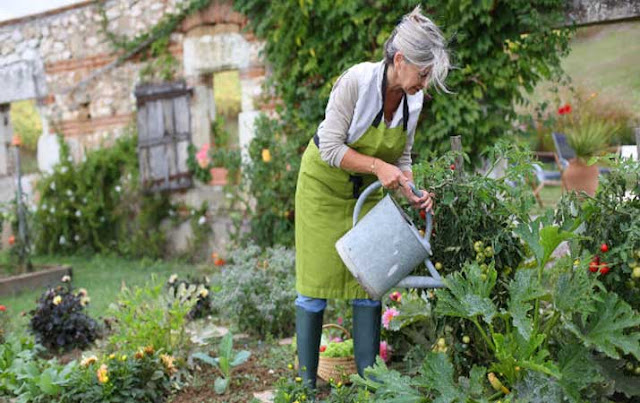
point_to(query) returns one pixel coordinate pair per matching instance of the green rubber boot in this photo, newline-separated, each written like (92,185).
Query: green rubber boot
(308,333)
(366,335)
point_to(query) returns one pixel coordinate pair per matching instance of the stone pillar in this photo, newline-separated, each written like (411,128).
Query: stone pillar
(6,133)
(202,107)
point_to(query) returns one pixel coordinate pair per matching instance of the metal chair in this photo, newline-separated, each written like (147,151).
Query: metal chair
(544,177)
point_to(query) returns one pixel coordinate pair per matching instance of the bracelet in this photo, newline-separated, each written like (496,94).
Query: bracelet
(373,166)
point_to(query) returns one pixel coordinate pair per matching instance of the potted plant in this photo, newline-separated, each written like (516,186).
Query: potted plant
(588,136)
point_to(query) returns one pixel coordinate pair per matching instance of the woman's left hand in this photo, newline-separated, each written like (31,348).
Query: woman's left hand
(426,201)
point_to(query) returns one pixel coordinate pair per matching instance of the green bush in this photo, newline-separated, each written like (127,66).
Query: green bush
(152,316)
(612,218)
(473,208)
(257,290)
(143,376)
(97,206)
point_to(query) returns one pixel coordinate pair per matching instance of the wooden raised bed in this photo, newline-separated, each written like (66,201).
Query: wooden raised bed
(44,276)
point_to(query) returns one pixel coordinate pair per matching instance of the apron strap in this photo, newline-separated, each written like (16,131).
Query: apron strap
(405,105)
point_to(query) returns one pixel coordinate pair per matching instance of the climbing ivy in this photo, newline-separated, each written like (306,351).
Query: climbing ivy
(500,50)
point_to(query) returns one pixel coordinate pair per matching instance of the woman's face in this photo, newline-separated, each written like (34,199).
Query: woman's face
(409,76)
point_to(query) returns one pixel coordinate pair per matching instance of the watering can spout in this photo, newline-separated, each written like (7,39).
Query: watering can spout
(385,246)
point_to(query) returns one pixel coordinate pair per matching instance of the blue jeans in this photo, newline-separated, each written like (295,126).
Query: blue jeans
(319,304)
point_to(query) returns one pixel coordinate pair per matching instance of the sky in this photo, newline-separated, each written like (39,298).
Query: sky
(19,8)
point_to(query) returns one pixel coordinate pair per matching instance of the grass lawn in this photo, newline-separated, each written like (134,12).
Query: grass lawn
(606,59)
(103,277)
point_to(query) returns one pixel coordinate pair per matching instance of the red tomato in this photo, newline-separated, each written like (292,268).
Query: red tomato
(453,167)
(593,266)
(423,214)
(604,248)
(323,348)
(604,269)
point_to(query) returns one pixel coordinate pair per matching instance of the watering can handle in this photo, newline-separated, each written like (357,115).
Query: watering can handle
(377,185)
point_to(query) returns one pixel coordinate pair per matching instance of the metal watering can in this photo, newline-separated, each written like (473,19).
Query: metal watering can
(385,246)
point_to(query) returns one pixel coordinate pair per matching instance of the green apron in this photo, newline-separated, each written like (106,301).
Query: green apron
(325,199)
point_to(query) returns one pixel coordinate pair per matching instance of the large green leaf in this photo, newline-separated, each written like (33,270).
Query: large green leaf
(467,294)
(577,370)
(574,292)
(550,238)
(542,237)
(437,373)
(220,385)
(612,327)
(513,351)
(524,288)
(240,358)
(389,385)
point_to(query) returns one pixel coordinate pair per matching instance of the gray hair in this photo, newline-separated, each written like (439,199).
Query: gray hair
(422,43)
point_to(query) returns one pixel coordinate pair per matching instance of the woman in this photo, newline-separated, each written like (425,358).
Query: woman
(367,135)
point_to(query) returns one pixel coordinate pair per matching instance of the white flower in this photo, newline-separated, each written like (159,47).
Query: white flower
(69,192)
(173,278)
(202,220)
(76,238)
(53,186)
(118,189)
(128,177)
(64,169)
(78,213)
(62,240)
(52,210)
(84,200)
(172,213)
(101,219)
(66,279)
(44,206)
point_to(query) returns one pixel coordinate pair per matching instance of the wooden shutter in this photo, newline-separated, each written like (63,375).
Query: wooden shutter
(164,133)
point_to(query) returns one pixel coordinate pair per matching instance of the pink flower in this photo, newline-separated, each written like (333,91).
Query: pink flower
(203,156)
(385,351)
(340,320)
(395,296)
(389,314)
(336,340)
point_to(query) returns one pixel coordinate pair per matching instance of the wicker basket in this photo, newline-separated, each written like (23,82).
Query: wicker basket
(337,368)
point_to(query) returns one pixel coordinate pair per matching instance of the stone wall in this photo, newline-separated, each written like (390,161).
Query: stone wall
(62,59)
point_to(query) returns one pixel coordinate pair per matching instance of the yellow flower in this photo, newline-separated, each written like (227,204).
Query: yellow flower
(123,358)
(204,292)
(88,360)
(167,361)
(266,155)
(84,300)
(82,292)
(112,356)
(57,300)
(298,379)
(138,355)
(149,350)
(102,374)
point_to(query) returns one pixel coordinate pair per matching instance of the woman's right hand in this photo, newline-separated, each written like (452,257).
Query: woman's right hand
(389,175)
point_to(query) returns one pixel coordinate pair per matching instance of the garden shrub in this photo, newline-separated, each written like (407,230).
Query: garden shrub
(257,290)
(97,205)
(499,48)
(472,208)
(609,226)
(24,377)
(202,307)
(141,376)
(59,321)
(151,316)
(544,335)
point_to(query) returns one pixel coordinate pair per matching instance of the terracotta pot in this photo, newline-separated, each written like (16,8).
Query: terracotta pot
(219,176)
(581,177)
